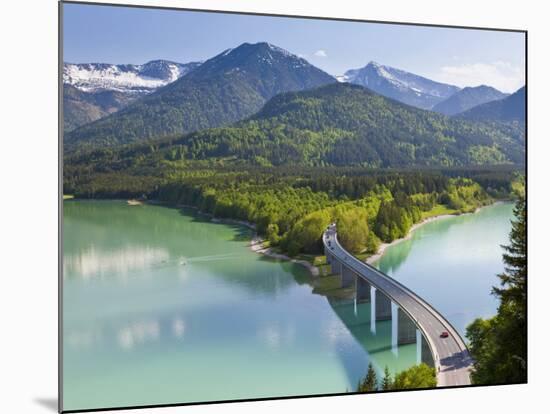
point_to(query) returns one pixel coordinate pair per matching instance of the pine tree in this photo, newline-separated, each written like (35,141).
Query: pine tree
(499,344)
(513,282)
(370,382)
(386,381)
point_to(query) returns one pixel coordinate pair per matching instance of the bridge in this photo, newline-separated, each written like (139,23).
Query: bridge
(417,321)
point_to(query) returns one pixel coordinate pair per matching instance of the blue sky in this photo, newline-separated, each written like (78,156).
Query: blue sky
(131,35)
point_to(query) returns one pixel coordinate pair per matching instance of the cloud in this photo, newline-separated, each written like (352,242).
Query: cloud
(320,53)
(501,75)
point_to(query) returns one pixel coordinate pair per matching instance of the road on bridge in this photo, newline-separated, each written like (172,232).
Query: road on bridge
(451,357)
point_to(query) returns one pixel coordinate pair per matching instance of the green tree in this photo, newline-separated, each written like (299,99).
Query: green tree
(306,233)
(387,383)
(273,233)
(418,376)
(499,344)
(353,230)
(370,382)
(513,282)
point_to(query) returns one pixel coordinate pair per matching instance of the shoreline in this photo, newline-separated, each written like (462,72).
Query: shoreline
(256,241)
(371,260)
(384,246)
(256,247)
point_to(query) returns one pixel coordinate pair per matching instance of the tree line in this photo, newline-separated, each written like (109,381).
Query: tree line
(291,206)
(417,376)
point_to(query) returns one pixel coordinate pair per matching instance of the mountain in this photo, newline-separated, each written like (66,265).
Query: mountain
(467,98)
(81,107)
(94,90)
(338,124)
(508,109)
(132,79)
(226,88)
(402,86)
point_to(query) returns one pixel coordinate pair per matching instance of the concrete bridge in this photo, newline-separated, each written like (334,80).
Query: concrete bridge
(416,319)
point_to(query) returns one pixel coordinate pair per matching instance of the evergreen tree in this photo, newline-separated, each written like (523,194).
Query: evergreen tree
(513,282)
(499,344)
(387,381)
(370,382)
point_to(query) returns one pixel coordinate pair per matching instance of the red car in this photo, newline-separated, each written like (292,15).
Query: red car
(444,334)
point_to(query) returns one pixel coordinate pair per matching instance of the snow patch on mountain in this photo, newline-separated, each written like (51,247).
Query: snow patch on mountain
(400,85)
(94,77)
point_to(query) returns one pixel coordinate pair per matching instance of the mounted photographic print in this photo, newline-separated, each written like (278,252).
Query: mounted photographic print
(259,206)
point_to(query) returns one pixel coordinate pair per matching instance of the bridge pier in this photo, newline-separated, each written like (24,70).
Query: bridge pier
(406,329)
(394,328)
(373,310)
(348,277)
(426,353)
(362,289)
(328,255)
(335,266)
(418,347)
(382,306)
(403,328)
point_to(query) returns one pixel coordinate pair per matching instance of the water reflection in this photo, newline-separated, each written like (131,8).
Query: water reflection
(82,339)
(138,333)
(380,343)
(94,262)
(453,263)
(394,258)
(154,294)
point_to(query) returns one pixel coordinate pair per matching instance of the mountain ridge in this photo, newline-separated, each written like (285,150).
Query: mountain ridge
(94,90)
(467,98)
(398,84)
(146,77)
(340,124)
(510,109)
(226,88)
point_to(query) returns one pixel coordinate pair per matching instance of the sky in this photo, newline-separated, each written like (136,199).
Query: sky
(462,57)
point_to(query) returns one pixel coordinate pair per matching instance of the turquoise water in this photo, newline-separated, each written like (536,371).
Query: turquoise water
(161,306)
(453,262)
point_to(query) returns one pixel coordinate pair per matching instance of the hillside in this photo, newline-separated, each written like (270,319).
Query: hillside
(338,124)
(343,124)
(94,90)
(468,98)
(81,107)
(510,109)
(229,87)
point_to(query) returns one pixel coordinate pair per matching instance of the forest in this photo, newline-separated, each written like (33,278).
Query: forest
(291,206)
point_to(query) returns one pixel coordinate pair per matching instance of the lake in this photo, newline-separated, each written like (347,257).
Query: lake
(453,262)
(162,306)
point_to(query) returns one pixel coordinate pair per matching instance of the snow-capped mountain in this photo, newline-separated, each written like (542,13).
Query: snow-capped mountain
(229,87)
(94,90)
(134,79)
(400,85)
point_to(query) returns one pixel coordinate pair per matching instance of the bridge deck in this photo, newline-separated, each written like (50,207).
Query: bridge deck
(451,357)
